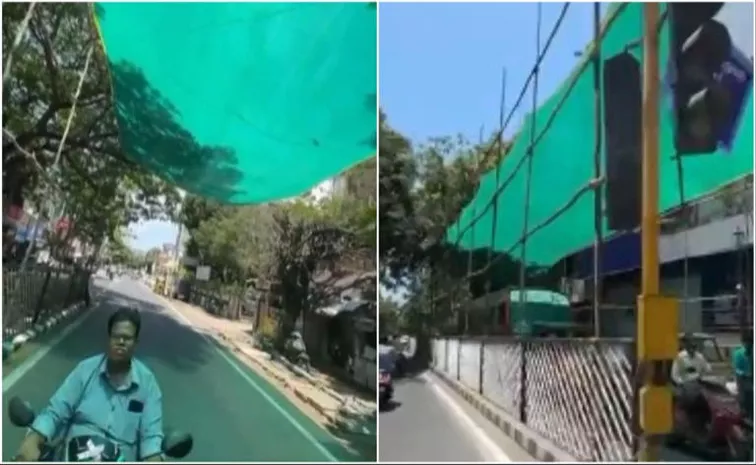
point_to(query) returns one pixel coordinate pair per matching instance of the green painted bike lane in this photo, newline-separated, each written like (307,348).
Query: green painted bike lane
(233,413)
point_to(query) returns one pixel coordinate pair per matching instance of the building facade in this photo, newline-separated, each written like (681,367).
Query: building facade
(705,252)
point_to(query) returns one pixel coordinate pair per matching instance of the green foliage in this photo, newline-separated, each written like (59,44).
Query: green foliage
(390,316)
(422,190)
(93,182)
(288,244)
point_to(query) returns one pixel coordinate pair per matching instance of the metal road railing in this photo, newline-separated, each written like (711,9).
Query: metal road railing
(578,393)
(31,295)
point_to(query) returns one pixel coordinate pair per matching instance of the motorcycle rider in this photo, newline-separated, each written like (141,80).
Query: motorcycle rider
(687,370)
(112,393)
(742,360)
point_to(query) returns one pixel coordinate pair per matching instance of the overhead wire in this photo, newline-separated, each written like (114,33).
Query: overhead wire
(541,54)
(572,83)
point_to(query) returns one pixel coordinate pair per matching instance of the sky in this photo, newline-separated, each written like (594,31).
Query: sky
(441,64)
(154,233)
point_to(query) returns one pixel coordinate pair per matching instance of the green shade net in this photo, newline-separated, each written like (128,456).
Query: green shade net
(563,164)
(243,102)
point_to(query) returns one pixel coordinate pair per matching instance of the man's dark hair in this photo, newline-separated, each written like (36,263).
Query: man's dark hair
(125,314)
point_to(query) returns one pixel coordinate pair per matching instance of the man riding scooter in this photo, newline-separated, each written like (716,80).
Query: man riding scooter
(742,360)
(687,370)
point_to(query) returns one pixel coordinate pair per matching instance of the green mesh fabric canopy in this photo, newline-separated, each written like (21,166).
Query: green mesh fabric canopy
(243,102)
(563,164)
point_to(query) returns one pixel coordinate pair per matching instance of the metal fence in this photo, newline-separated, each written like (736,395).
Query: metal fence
(33,294)
(578,393)
(226,304)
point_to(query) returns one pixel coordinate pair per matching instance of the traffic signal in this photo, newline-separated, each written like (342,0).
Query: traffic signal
(699,47)
(622,96)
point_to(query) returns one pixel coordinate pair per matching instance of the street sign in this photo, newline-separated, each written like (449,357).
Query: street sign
(203,273)
(736,75)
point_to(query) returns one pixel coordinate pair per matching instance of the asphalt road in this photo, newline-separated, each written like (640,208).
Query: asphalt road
(234,414)
(422,426)
(430,423)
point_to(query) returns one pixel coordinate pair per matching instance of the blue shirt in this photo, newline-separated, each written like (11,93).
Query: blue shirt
(742,363)
(89,402)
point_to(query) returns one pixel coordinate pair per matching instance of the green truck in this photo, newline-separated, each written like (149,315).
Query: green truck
(530,313)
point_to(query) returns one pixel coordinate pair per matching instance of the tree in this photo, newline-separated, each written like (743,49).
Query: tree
(401,234)
(119,251)
(390,316)
(423,190)
(298,247)
(88,178)
(152,255)
(236,242)
(194,211)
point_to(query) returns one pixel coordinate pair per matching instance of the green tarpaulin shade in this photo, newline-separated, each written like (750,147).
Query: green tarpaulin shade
(563,163)
(243,102)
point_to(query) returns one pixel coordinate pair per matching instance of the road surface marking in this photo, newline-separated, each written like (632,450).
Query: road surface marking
(250,381)
(486,446)
(19,372)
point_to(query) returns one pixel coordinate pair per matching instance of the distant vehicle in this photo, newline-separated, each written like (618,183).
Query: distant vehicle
(386,368)
(538,313)
(182,289)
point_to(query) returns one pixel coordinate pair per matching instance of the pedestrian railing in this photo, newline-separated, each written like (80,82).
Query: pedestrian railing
(34,293)
(578,393)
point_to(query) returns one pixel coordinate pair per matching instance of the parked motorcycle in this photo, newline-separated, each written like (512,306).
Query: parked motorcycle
(90,448)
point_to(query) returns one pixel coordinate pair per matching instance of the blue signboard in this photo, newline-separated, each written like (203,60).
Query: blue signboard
(26,232)
(736,75)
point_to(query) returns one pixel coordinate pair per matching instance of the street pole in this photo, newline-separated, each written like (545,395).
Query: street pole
(598,204)
(740,287)
(657,315)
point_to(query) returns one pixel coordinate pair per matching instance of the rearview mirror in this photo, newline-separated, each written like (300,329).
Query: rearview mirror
(20,412)
(177,445)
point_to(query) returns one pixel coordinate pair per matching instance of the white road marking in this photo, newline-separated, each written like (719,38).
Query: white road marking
(19,372)
(485,445)
(249,380)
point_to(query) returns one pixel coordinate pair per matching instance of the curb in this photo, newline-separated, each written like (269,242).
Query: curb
(309,400)
(536,445)
(20,339)
(334,417)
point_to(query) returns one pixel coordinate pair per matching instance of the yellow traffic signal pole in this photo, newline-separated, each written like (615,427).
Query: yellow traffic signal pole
(657,316)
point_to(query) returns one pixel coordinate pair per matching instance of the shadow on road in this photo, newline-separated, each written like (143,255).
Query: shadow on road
(360,446)
(231,419)
(357,442)
(390,406)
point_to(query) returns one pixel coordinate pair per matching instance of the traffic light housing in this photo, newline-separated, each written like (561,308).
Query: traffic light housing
(622,97)
(699,47)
